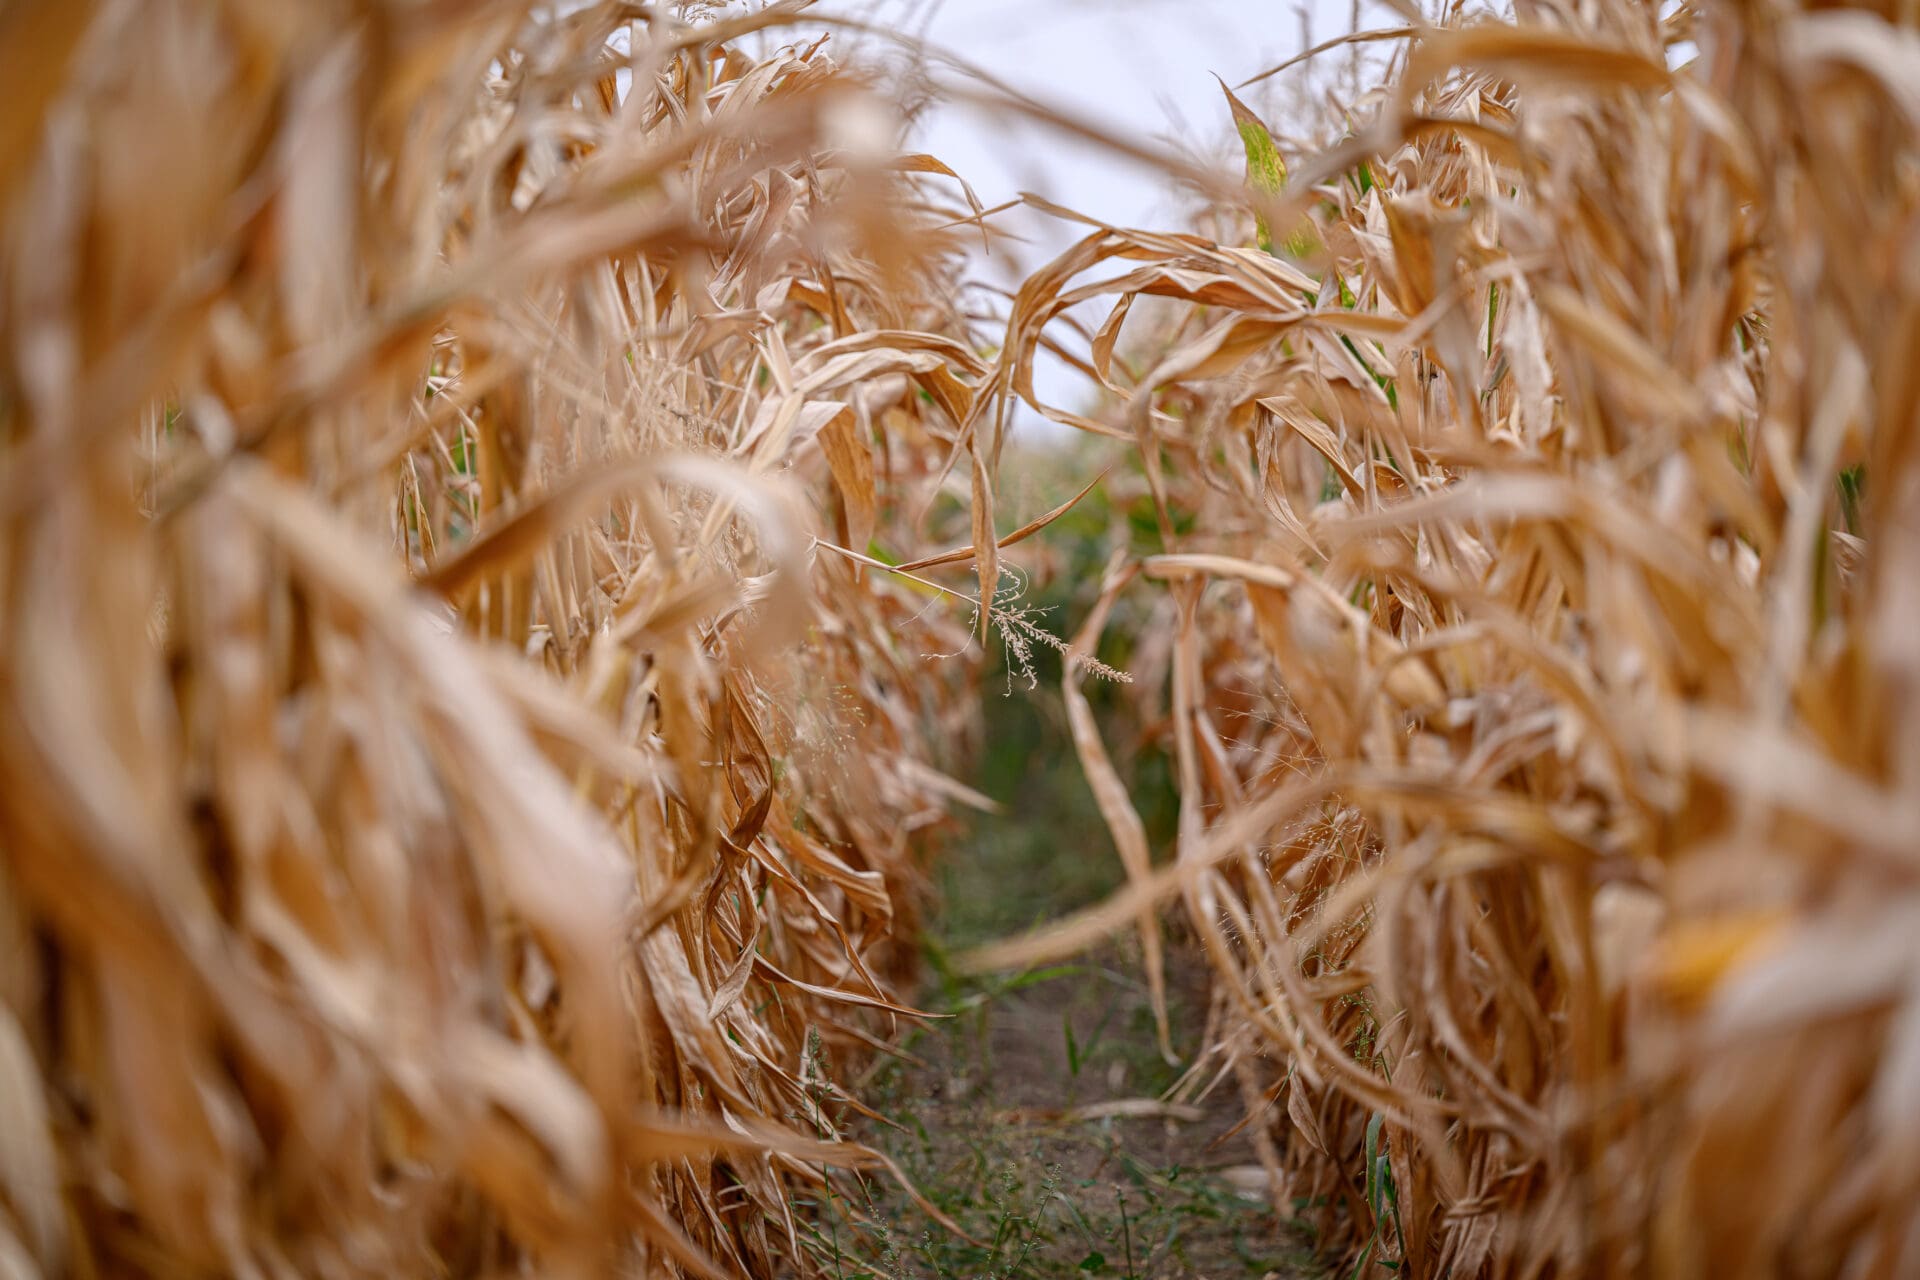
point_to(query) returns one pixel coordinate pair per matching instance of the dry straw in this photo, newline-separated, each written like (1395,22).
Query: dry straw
(1542,521)
(454,820)
(459,752)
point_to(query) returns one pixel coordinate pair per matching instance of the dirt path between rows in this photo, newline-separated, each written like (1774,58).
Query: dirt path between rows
(1033,1116)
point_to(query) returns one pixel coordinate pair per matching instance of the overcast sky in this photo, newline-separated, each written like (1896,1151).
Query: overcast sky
(1142,68)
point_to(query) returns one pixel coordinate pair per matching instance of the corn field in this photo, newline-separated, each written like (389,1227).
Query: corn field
(503,513)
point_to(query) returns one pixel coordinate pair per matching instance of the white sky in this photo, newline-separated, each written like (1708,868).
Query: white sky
(1141,68)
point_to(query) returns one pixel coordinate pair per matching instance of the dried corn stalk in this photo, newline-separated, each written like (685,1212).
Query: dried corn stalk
(452,819)
(1542,534)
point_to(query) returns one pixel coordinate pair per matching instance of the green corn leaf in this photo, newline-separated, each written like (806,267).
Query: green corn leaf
(1266,171)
